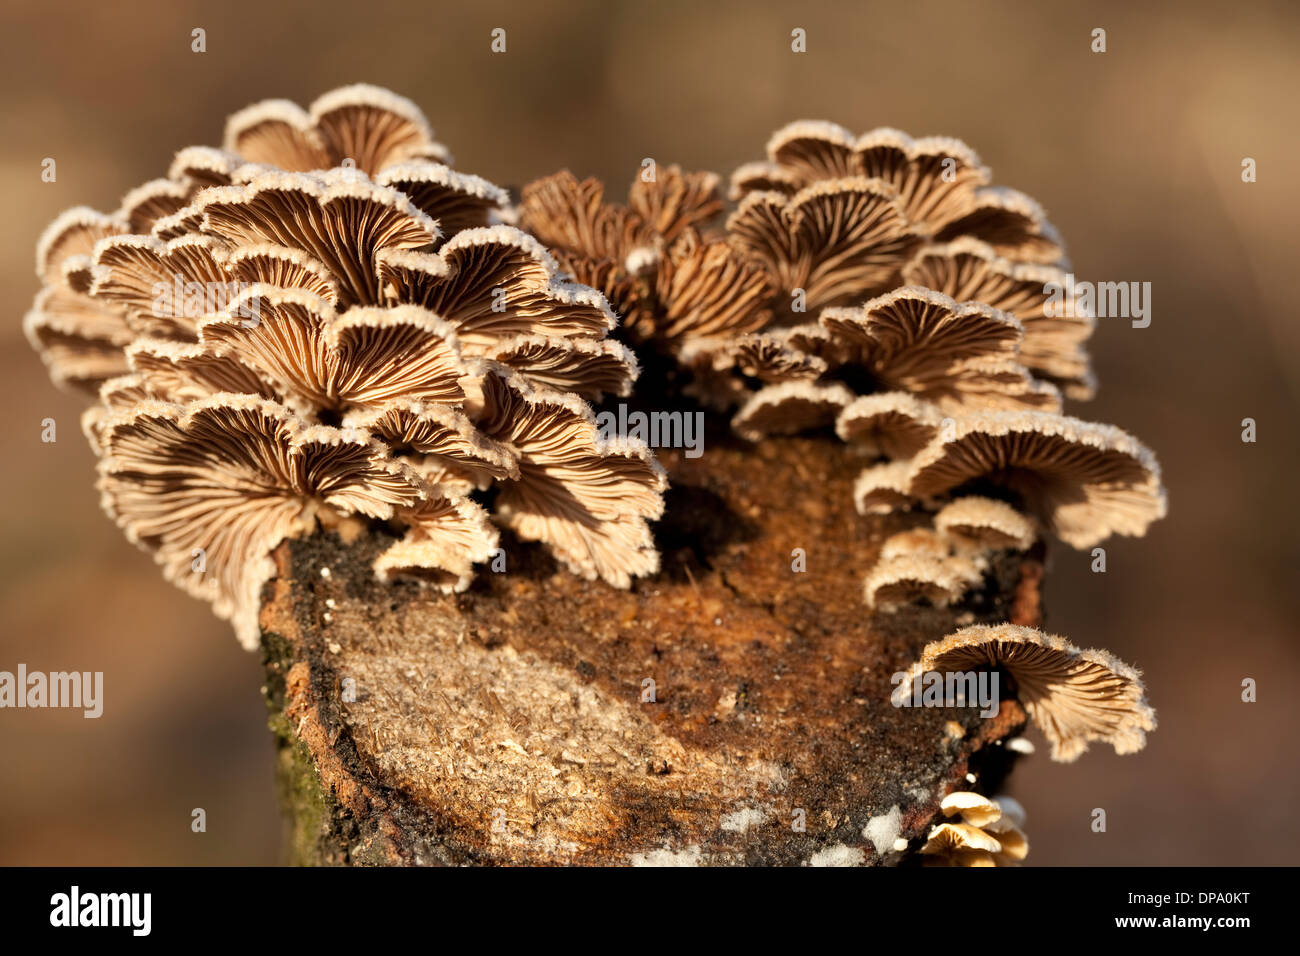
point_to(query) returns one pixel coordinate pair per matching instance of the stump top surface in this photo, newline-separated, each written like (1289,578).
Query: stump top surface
(507,724)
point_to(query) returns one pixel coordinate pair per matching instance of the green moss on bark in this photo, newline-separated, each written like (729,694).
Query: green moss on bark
(307,806)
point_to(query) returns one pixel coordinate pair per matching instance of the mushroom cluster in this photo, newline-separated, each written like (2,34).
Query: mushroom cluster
(939,563)
(1075,697)
(322,323)
(986,832)
(933,348)
(837,228)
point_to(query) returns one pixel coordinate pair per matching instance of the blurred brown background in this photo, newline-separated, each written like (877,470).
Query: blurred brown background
(1135,153)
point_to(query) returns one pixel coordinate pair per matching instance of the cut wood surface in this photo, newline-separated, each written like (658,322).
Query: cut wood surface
(517,722)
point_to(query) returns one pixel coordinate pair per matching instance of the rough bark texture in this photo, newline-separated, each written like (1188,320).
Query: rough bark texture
(511,724)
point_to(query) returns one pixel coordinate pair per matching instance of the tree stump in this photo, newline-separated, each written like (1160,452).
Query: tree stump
(730,710)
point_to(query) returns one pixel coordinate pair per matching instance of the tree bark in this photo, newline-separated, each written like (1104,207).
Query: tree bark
(516,723)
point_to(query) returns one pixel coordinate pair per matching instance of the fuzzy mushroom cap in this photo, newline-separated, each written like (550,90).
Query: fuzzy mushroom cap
(1074,696)
(790,407)
(951,357)
(883,488)
(940,182)
(312,213)
(492,289)
(490,284)
(446,535)
(386,335)
(587,496)
(986,523)
(911,578)
(1084,481)
(1013,224)
(80,336)
(677,277)
(364,126)
(828,212)
(922,541)
(1054,337)
(922,564)
(834,239)
(890,424)
(493,284)
(959,356)
(827,222)
(79,340)
(769,358)
(157,199)
(935,178)
(574,216)
(72,234)
(706,289)
(955,357)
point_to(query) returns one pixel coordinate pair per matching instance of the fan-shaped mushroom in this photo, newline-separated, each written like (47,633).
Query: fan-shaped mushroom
(789,407)
(891,424)
(985,523)
(909,578)
(960,357)
(970,270)
(1012,223)
(1083,480)
(1074,696)
(370,126)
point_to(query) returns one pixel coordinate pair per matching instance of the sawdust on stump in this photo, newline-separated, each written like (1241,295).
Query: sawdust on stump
(513,723)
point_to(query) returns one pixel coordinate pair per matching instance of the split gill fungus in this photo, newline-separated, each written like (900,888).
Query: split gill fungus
(322,324)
